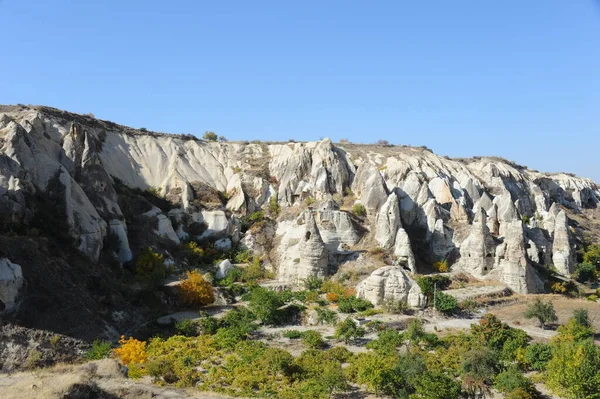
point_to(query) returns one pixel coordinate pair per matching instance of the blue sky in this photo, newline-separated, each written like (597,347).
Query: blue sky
(518,79)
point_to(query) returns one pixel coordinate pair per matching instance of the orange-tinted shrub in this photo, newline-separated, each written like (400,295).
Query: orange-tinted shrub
(195,290)
(132,351)
(332,297)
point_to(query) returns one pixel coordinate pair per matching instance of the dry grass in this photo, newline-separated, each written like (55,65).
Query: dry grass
(514,312)
(55,382)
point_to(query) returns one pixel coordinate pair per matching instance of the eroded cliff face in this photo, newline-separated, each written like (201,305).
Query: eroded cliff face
(486,216)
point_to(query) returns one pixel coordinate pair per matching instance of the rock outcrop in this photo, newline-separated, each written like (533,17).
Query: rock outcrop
(310,255)
(420,206)
(391,284)
(562,253)
(11,281)
(390,234)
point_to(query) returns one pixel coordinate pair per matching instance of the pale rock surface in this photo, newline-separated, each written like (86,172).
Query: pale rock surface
(119,230)
(369,187)
(11,281)
(477,251)
(309,257)
(391,283)
(223,269)
(562,253)
(512,266)
(164,226)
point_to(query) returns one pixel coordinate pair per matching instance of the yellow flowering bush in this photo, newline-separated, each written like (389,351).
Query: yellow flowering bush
(131,351)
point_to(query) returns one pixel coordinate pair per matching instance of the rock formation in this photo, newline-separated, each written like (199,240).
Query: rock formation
(562,253)
(11,281)
(420,206)
(392,284)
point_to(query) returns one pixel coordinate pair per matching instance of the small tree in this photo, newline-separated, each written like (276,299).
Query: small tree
(210,136)
(543,311)
(348,330)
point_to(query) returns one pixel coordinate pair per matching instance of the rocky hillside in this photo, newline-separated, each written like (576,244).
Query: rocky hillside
(108,191)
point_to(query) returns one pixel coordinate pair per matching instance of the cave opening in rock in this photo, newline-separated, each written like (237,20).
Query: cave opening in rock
(307,236)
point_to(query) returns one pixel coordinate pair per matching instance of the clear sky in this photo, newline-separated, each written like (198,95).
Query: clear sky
(514,78)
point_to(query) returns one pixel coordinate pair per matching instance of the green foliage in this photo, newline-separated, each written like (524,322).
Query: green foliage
(586,272)
(210,136)
(326,316)
(99,350)
(574,370)
(416,335)
(150,267)
(396,307)
(592,255)
(538,355)
(432,385)
(499,336)
(186,327)
(387,341)
(359,210)
(525,219)
(256,216)
(348,330)
(268,306)
(479,367)
(292,334)
(543,311)
(445,303)
(511,379)
(313,283)
(313,339)
(582,317)
(375,372)
(274,208)
(353,304)
(428,283)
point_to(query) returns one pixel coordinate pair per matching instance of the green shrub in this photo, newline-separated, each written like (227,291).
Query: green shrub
(428,283)
(353,304)
(313,283)
(348,330)
(186,327)
(511,379)
(292,334)
(99,350)
(445,303)
(150,267)
(359,210)
(387,341)
(326,316)
(313,339)
(586,272)
(538,355)
(396,307)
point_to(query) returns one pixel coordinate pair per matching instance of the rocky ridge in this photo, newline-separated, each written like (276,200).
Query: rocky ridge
(485,216)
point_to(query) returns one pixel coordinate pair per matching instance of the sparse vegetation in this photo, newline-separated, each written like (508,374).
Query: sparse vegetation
(210,136)
(359,210)
(99,350)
